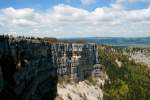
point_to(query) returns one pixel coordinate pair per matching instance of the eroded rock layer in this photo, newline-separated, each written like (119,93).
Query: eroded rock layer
(29,68)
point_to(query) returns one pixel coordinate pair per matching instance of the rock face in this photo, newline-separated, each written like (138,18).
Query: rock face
(29,68)
(141,55)
(75,60)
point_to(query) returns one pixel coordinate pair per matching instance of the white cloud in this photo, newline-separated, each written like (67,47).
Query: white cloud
(87,2)
(19,13)
(66,21)
(119,4)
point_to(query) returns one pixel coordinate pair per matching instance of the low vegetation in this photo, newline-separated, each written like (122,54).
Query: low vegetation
(131,81)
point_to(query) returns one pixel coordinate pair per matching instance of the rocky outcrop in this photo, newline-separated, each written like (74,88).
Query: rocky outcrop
(141,55)
(75,60)
(30,67)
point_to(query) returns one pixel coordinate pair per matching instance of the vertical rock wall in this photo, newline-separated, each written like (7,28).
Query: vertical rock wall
(29,69)
(74,59)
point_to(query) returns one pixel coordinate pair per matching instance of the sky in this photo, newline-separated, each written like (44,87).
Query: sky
(75,18)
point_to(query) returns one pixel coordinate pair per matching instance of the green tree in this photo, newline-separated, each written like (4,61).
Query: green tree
(128,82)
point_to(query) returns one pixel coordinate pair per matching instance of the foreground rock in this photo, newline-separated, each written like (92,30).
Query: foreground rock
(83,90)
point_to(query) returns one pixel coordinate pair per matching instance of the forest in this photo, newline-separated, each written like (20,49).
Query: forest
(131,81)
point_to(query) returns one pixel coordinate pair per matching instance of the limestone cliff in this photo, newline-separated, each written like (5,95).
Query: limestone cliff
(141,55)
(29,68)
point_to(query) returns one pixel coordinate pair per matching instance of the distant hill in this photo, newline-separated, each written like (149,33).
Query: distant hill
(115,41)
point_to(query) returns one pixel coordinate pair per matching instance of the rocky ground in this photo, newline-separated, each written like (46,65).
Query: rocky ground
(83,90)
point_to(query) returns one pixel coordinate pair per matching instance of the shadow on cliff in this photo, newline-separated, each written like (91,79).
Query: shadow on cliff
(8,69)
(9,90)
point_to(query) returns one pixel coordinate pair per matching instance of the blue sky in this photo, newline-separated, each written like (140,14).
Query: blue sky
(75,18)
(45,4)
